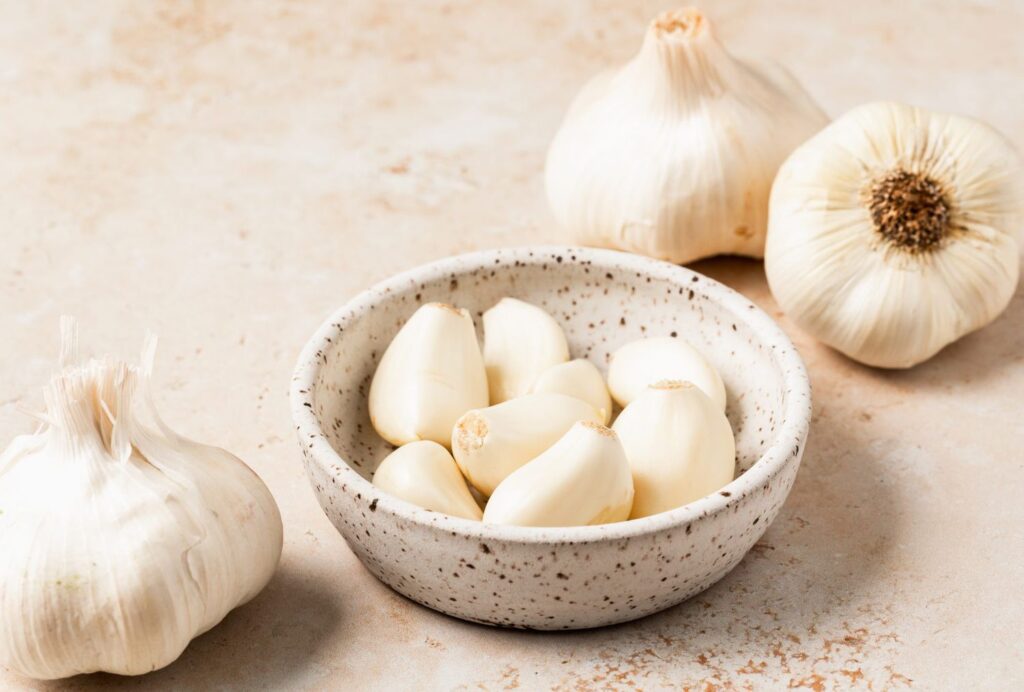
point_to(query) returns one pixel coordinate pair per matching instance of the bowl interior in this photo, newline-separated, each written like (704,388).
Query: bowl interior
(601,299)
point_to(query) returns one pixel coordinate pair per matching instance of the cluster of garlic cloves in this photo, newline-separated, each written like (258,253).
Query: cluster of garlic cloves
(541,454)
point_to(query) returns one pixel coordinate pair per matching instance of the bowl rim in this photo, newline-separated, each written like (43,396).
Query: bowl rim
(792,430)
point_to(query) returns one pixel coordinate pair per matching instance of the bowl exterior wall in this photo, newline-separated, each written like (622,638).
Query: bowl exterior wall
(549,585)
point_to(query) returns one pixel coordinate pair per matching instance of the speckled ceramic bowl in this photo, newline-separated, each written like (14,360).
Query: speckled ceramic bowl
(571,577)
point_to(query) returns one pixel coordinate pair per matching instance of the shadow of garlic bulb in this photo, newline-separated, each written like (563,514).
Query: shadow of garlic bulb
(893,232)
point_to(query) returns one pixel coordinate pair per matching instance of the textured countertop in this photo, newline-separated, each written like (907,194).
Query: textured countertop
(228,173)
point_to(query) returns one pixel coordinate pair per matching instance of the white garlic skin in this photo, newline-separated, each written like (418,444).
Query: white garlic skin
(673,154)
(425,474)
(679,445)
(431,373)
(837,276)
(490,443)
(120,543)
(643,362)
(581,379)
(521,341)
(581,480)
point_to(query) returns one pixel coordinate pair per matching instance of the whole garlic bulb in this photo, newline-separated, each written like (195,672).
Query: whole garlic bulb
(581,480)
(425,474)
(673,154)
(679,444)
(431,373)
(121,543)
(893,232)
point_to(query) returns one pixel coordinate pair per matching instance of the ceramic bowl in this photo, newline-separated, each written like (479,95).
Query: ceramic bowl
(555,578)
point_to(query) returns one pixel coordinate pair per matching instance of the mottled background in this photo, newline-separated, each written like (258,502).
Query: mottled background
(228,173)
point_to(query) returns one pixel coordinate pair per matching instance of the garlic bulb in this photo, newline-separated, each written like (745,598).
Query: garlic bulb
(121,543)
(893,232)
(490,443)
(640,363)
(673,154)
(431,373)
(520,342)
(581,379)
(679,445)
(583,479)
(425,474)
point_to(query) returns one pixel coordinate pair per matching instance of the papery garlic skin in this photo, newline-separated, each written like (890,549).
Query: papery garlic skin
(673,154)
(581,480)
(638,364)
(425,474)
(679,445)
(431,373)
(894,232)
(490,443)
(121,543)
(521,341)
(581,379)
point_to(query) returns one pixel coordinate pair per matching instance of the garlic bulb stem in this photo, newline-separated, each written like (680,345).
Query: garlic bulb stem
(679,56)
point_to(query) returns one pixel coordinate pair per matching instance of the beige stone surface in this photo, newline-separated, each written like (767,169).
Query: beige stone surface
(227,173)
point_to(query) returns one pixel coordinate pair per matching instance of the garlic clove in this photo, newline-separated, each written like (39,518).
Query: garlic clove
(490,443)
(431,373)
(583,479)
(121,541)
(893,232)
(679,445)
(520,342)
(581,379)
(640,363)
(425,474)
(706,134)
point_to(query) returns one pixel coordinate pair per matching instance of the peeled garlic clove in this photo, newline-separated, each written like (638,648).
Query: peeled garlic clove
(583,479)
(893,232)
(430,374)
(679,445)
(490,443)
(673,154)
(581,379)
(425,474)
(121,541)
(520,342)
(646,361)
